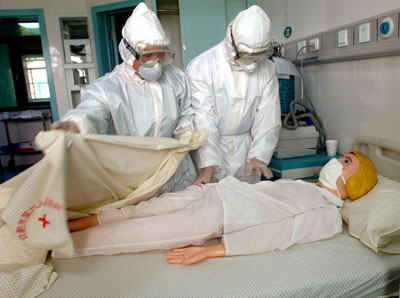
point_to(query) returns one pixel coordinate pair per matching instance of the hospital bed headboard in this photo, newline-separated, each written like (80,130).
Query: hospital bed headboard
(384,153)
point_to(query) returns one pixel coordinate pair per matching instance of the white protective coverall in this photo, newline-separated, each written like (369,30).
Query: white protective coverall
(251,218)
(128,105)
(240,109)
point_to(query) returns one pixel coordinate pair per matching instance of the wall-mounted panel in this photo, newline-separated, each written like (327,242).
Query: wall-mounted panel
(315,44)
(376,36)
(366,32)
(344,37)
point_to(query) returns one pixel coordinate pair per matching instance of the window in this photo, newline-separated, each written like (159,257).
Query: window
(79,66)
(24,78)
(36,78)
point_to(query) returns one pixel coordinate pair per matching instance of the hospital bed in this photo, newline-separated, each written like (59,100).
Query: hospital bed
(341,266)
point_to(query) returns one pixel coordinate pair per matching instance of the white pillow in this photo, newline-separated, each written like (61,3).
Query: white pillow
(375,217)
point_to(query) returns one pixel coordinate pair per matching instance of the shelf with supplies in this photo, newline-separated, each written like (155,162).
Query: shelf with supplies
(21,147)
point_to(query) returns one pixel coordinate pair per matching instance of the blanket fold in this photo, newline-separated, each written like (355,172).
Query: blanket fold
(81,175)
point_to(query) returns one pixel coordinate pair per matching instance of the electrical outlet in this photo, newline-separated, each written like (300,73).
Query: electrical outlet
(315,44)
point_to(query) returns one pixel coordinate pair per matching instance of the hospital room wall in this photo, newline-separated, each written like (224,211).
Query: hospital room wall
(354,98)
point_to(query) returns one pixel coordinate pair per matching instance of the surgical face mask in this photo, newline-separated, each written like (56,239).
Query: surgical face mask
(150,73)
(247,67)
(330,173)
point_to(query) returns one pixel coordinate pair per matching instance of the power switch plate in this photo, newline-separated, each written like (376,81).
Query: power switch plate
(301,46)
(364,33)
(342,38)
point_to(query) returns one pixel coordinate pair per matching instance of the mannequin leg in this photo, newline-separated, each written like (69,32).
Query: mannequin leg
(164,204)
(194,225)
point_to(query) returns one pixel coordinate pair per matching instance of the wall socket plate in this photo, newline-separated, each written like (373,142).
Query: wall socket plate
(346,37)
(316,42)
(301,44)
(364,33)
(343,40)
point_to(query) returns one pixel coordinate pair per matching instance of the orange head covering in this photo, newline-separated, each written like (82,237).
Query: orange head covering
(365,178)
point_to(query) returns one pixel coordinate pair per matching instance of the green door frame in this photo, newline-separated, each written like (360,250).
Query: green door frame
(101,36)
(39,13)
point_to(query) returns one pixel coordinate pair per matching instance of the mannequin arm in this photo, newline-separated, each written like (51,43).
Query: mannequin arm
(83,223)
(194,254)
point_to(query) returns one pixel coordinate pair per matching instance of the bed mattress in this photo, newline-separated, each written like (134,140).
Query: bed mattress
(336,267)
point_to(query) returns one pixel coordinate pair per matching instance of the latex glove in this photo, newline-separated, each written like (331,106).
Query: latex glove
(259,167)
(206,175)
(65,125)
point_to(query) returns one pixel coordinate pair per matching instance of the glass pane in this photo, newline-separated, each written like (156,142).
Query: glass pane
(39,75)
(74,28)
(44,90)
(29,28)
(80,53)
(81,76)
(32,63)
(36,78)
(76,98)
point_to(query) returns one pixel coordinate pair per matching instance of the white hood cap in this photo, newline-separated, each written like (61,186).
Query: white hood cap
(251,28)
(142,27)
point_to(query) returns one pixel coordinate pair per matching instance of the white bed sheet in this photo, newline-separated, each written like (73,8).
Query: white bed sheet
(336,267)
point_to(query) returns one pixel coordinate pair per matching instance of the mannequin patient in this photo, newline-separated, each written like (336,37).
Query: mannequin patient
(249,218)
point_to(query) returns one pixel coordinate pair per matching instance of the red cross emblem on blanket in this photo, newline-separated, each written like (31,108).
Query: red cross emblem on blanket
(43,218)
(26,215)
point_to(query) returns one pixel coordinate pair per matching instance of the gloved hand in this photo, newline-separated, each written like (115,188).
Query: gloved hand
(206,175)
(259,167)
(65,125)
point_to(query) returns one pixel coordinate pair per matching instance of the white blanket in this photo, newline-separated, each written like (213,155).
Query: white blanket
(79,175)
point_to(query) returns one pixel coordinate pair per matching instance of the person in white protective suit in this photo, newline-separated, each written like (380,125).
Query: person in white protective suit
(251,218)
(143,96)
(235,95)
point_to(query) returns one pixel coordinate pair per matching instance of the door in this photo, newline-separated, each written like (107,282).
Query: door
(7,89)
(108,21)
(204,23)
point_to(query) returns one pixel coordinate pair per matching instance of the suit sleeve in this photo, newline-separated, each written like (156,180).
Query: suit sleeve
(204,118)
(91,115)
(187,112)
(267,121)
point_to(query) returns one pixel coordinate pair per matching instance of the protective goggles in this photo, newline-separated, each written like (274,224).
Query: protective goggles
(149,58)
(247,58)
(248,55)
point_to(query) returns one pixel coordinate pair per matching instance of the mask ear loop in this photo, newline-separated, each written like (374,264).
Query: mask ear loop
(234,46)
(129,47)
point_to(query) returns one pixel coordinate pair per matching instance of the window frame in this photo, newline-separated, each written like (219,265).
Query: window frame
(28,83)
